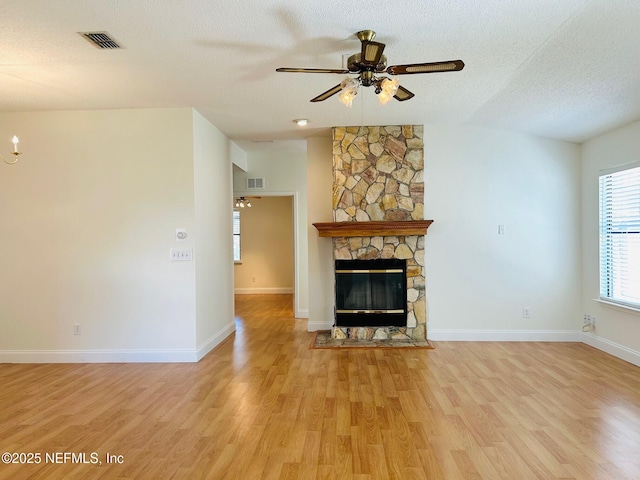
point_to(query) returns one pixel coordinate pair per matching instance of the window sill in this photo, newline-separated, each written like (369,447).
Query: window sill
(237,262)
(619,306)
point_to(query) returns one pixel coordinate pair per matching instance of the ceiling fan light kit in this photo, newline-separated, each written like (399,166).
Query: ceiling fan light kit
(387,89)
(242,202)
(369,62)
(349,89)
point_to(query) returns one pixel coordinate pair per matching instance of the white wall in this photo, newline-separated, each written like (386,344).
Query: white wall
(213,234)
(617,330)
(238,156)
(319,195)
(477,281)
(88,216)
(284,174)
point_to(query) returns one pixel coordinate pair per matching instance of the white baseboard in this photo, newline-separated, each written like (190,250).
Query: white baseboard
(116,356)
(187,356)
(263,291)
(485,335)
(98,356)
(315,326)
(503,335)
(625,353)
(215,340)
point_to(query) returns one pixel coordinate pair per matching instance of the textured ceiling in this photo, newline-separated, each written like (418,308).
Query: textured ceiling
(568,70)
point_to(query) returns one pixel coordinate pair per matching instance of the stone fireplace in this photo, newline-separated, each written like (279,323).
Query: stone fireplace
(378,212)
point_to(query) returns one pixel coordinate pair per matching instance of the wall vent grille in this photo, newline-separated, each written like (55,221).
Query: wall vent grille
(255,183)
(101,40)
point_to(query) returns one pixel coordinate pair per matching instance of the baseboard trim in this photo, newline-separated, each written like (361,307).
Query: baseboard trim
(215,340)
(503,335)
(315,326)
(302,313)
(263,291)
(612,348)
(445,335)
(117,356)
(192,356)
(98,356)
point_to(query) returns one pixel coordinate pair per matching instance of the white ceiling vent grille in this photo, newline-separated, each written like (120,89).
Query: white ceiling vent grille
(101,40)
(255,183)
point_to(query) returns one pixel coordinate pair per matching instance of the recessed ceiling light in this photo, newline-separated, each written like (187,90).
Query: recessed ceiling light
(301,122)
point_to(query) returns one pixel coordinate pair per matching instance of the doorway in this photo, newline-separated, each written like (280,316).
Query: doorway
(267,252)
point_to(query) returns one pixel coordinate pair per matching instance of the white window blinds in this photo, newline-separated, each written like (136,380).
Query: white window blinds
(236,236)
(620,235)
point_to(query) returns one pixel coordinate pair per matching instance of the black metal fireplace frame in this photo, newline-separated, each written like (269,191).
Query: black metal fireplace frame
(372,317)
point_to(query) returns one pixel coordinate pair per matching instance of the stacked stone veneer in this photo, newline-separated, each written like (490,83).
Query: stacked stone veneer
(378,176)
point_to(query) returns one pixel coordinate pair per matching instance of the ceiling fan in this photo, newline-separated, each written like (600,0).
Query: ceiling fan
(368,64)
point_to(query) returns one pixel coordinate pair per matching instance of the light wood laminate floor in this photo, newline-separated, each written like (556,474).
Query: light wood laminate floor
(264,406)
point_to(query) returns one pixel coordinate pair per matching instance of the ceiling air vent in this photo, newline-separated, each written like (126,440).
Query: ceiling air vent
(101,40)
(255,183)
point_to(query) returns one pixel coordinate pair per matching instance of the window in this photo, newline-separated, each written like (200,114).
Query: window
(620,235)
(236,236)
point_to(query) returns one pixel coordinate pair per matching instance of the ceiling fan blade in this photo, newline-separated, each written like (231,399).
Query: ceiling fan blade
(329,93)
(403,94)
(371,52)
(311,70)
(450,66)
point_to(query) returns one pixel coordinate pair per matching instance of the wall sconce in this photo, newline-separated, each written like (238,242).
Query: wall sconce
(15,152)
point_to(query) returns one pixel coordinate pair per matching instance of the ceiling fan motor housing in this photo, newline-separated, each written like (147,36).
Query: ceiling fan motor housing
(354,64)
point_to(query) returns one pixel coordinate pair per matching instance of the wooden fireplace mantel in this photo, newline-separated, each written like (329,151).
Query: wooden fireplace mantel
(372,229)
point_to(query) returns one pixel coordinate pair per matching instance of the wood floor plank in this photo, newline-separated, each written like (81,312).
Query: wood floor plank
(263,405)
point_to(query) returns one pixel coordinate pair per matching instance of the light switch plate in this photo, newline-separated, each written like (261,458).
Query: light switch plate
(180,254)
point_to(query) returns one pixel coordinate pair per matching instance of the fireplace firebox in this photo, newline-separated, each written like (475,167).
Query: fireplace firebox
(371,293)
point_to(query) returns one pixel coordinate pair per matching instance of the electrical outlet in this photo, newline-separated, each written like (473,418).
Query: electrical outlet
(526,312)
(76,329)
(589,323)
